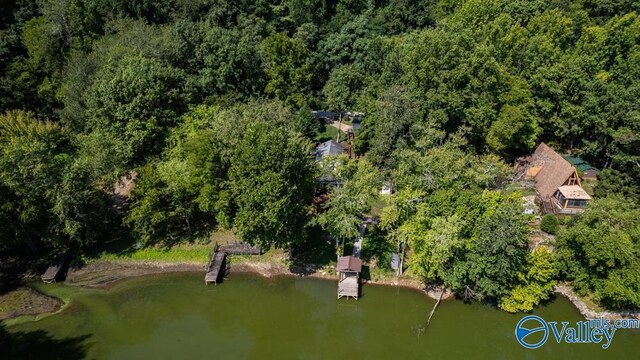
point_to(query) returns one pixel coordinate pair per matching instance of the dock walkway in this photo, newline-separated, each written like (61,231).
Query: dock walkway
(241,248)
(215,266)
(218,267)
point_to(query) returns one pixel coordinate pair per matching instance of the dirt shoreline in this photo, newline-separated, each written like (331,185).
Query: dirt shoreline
(24,301)
(104,274)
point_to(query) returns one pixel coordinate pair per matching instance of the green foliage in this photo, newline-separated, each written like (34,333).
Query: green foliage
(550,224)
(537,283)
(448,167)
(134,106)
(158,214)
(306,123)
(389,125)
(342,88)
(289,69)
(271,179)
(348,202)
(599,252)
(498,250)
(49,199)
(434,246)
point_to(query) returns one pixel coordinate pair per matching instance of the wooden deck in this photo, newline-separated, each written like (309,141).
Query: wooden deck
(349,287)
(216,266)
(241,248)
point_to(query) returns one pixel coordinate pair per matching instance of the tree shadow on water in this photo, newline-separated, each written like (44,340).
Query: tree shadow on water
(40,345)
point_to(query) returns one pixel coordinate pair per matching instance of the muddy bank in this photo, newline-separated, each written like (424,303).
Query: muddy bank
(26,301)
(100,274)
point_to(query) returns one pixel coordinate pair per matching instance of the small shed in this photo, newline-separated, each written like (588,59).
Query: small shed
(349,269)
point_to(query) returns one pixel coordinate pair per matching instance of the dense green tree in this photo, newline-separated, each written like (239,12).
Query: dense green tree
(158,215)
(349,201)
(435,244)
(599,252)
(612,181)
(306,123)
(135,106)
(34,157)
(289,69)
(342,88)
(272,180)
(498,250)
(537,283)
(391,124)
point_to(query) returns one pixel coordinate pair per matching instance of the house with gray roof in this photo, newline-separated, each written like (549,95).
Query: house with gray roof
(328,148)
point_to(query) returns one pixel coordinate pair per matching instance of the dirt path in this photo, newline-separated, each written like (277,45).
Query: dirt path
(342,126)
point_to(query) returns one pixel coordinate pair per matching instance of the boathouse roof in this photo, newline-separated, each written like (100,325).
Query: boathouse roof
(349,263)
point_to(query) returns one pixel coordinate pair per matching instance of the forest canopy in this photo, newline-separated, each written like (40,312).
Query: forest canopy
(207,104)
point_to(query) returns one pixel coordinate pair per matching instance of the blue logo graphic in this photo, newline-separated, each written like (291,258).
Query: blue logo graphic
(530,325)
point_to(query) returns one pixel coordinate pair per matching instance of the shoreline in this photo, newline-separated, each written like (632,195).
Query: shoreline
(102,274)
(588,313)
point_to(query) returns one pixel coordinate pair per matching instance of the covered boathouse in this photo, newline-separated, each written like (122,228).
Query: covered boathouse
(349,269)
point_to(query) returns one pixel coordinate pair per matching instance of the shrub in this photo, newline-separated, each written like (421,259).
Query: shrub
(550,224)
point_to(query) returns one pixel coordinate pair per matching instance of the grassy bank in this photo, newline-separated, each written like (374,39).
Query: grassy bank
(184,253)
(196,251)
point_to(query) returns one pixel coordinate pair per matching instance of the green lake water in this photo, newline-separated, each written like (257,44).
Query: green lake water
(175,316)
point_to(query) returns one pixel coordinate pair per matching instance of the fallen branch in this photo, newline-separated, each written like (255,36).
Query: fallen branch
(435,306)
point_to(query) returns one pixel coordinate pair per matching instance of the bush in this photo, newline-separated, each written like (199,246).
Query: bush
(550,224)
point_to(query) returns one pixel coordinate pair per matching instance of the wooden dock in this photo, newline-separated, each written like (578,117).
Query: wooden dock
(241,248)
(54,270)
(216,266)
(349,269)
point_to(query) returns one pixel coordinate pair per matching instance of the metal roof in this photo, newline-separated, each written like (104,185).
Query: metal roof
(329,147)
(578,162)
(349,263)
(574,192)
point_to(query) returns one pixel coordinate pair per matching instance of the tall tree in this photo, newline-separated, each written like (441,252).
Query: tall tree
(498,250)
(348,202)
(137,100)
(289,69)
(272,180)
(599,252)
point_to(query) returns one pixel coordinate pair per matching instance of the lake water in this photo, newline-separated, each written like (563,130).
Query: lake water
(175,316)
